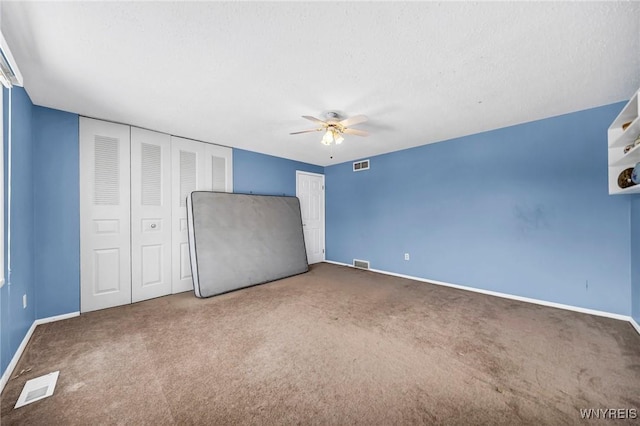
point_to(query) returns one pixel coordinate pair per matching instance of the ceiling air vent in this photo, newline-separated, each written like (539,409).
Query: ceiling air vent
(361,165)
(362,264)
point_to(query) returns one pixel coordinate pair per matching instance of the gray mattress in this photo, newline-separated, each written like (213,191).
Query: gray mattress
(240,240)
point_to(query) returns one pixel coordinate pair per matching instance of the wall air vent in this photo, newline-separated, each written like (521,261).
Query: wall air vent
(362,264)
(358,166)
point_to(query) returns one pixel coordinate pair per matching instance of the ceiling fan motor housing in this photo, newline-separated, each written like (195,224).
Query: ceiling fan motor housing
(333,116)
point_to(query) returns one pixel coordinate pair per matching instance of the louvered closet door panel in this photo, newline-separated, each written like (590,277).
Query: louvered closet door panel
(150,214)
(187,174)
(105,251)
(219,170)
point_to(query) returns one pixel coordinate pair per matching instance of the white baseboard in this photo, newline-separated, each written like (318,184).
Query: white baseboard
(56,318)
(508,296)
(16,357)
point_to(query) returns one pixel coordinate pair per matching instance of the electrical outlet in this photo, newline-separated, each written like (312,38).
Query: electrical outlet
(24,301)
(406,256)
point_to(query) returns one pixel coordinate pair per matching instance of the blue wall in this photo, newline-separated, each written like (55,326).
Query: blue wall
(635,258)
(5,350)
(255,173)
(57,214)
(522,210)
(15,320)
(45,231)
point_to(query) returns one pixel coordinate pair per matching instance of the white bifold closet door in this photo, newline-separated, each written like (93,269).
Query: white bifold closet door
(196,166)
(105,249)
(133,222)
(150,214)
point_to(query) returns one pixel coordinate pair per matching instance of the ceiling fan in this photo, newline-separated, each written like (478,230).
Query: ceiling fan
(335,126)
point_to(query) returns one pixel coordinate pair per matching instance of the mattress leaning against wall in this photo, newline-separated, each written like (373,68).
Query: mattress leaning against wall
(240,240)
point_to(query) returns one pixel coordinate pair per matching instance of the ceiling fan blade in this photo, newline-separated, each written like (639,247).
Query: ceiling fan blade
(306,131)
(355,132)
(315,120)
(356,119)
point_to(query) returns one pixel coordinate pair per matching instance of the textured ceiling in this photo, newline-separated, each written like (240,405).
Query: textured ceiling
(241,74)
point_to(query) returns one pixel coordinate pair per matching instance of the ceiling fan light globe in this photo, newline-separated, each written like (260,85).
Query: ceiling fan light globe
(327,138)
(338,138)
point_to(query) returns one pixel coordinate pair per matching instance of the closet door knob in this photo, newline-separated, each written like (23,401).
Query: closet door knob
(153,226)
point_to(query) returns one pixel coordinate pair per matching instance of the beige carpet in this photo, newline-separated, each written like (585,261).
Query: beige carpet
(333,346)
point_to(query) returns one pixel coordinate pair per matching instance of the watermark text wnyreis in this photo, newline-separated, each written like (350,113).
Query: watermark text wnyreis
(609,413)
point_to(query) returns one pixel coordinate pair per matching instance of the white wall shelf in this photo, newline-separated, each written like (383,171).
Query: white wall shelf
(618,139)
(631,156)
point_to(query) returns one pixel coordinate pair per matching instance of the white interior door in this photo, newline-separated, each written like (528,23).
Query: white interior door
(196,166)
(150,214)
(105,246)
(310,191)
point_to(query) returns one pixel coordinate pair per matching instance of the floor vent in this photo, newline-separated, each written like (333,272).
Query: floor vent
(37,389)
(358,166)
(362,264)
